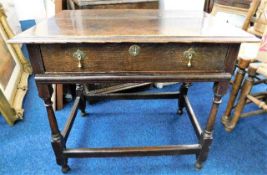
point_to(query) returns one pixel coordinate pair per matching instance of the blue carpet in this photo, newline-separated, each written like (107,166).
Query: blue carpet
(25,148)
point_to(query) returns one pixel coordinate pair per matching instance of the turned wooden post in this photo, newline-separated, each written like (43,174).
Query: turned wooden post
(208,5)
(242,99)
(206,138)
(239,77)
(57,141)
(45,92)
(252,10)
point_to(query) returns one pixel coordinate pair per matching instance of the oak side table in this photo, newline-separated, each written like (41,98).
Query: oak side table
(125,46)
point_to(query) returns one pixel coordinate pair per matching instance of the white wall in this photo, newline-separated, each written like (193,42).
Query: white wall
(34,9)
(182,4)
(11,14)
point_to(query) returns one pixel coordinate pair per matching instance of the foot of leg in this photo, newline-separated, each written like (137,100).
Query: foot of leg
(225,120)
(246,88)
(84,113)
(198,165)
(229,127)
(180,111)
(65,169)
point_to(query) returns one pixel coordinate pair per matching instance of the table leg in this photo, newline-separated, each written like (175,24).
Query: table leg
(206,138)
(82,104)
(181,100)
(57,141)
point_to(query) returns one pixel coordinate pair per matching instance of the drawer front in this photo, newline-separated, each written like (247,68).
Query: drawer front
(126,57)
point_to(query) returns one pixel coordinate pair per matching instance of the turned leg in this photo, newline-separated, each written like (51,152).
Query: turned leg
(57,141)
(242,99)
(181,100)
(206,137)
(239,77)
(80,93)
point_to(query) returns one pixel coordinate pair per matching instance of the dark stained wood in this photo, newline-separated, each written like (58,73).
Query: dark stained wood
(116,88)
(220,89)
(106,36)
(66,131)
(117,4)
(36,58)
(97,78)
(229,61)
(133,151)
(59,97)
(134,26)
(116,58)
(181,99)
(133,5)
(59,6)
(192,117)
(136,95)
(208,5)
(57,141)
(235,3)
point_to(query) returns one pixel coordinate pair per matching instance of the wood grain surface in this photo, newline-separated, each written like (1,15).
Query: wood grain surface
(155,58)
(139,26)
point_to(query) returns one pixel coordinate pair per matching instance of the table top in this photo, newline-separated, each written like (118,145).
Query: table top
(144,26)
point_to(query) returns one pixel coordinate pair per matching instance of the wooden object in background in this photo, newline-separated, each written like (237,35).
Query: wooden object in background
(260,99)
(208,5)
(235,3)
(230,14)
(243,4)
(196,33)
(247,9)
(113,4)
(59,5)
(246,17)
(252,11)
(14,70)
(228,9)
(260,21)
(254,69)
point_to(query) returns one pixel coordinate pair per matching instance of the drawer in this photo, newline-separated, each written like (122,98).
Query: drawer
(127,57)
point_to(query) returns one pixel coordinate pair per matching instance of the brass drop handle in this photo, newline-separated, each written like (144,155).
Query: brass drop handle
(79,55)
(189,55)
(134,50)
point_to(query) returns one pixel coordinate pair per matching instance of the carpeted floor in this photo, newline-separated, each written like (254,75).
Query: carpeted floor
(25,148)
